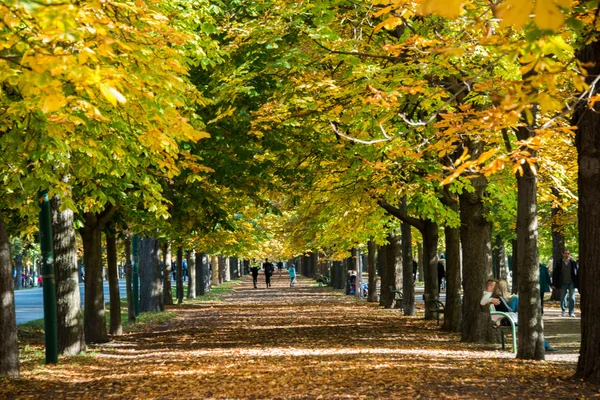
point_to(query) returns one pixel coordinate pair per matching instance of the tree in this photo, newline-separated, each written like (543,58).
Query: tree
(587,121)
(94,310)
(70,331)
(151,288)
(167,292)
(9,346)
(115,326)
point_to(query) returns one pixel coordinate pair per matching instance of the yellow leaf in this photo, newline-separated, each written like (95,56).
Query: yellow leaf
(548,15)
(513,12)
(53,102)
(384,10)
(389,23)
(485,156)
(112,95)
(445,8)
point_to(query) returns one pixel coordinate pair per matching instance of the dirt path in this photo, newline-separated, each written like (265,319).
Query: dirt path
(300,342)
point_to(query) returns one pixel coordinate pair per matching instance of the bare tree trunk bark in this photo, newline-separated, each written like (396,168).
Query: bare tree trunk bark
(222,266)
(430,260)
(9,344)
(408,282)
(215,270)
(179,275)
(476,240)
(191,262)
(588,147)
(94,320)
(167,291)
(385,296)
(128,288)
(151,288)
(115,327)
(453,314)
(421,261)
(71,339)
(531,328)
(372,249)
(558,238)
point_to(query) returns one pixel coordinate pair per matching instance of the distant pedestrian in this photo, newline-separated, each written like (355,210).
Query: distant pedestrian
(40,281)
(545,283)
(415,270)
(254,267)
(268,272)
(292,271)
(565,276)
(185,270)
(441,274)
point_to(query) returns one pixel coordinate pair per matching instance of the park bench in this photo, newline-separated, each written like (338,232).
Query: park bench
(435,305)
(511,328)
(398,298)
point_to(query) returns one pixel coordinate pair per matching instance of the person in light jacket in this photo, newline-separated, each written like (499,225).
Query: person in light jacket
(292,271)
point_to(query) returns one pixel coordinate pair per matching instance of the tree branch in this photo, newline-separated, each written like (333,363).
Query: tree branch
(401,215)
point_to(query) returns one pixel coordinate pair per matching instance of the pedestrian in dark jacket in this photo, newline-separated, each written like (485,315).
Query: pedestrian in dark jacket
(254,267)
(565,276)
(269,269)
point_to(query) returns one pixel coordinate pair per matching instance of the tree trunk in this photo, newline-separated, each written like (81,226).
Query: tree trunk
(385,296)
(151,288)
(475,235)
(94,312)
(167,291)
(558,238)
(191,262)
(395,258)
(19,271)
(372,249)
(128,288)
(531,328)
(420,261)
(115,327)
(408,282)
(179,275)
(215,270)
(453,313)
(71,340)
(9,345)
(430,260)
(200,275)
(392,267)
(588,147)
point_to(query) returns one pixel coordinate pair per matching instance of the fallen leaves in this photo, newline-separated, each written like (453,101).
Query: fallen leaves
(301,342)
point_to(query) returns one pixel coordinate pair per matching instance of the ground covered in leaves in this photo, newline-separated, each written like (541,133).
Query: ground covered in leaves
(301,342)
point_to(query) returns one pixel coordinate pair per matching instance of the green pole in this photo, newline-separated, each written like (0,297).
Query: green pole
(47,271)
(135,275)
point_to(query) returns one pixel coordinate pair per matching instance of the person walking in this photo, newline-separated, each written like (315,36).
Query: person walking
(292,271)
(565,276)
(545,283)
(254,267)
(268,272)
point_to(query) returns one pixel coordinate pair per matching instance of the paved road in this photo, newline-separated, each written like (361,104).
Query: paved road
(29,303)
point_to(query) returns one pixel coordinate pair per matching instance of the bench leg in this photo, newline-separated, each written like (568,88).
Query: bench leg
(502,340)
